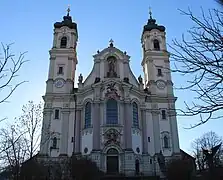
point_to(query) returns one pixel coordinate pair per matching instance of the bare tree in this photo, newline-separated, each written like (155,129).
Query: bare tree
(20,141)
(9,69)
(220,2)
(207,141)
(30,123)
(199,58)
(10,65)
(13,149)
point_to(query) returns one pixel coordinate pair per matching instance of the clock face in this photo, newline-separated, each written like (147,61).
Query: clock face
(59,83)
(160,84)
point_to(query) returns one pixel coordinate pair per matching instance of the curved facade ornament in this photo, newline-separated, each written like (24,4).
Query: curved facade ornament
(112,92)
(111,136)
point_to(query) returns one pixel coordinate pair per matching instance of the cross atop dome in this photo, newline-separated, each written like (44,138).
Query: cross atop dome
(151,24)
(150,13)
(68,10)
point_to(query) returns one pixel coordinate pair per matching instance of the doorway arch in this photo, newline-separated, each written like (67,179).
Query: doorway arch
(112,161)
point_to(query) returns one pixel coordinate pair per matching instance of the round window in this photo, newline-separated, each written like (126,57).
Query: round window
(85,150)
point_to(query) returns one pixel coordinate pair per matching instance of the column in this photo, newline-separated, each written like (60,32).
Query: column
(144,132)
(128,125)
(71,44)
(78,131)
(45,136)
(64,134)
(156,131)
(96,126)
(122,123)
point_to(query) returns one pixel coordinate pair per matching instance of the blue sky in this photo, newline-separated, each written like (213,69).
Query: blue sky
(29,24)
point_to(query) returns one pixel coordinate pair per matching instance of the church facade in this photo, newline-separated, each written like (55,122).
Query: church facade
(121,122)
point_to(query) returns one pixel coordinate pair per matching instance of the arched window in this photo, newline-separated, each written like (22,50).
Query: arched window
(112,112)
(87,122)
(166,142)
(54,143)
(135,115)
(63,42)
(112,151)
(156,45)
(137,166)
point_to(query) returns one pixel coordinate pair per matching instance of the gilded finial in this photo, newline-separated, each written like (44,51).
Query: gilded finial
(68,10)
(150,12)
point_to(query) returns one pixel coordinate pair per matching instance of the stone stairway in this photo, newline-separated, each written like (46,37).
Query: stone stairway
(118,177)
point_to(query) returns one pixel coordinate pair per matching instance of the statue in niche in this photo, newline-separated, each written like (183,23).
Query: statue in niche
(111,67)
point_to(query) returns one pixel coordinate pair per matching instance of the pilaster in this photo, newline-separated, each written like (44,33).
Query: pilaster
(78,132)
(174,130)
(51,74)
(96,126)
(156,130)
(144,132)
(129,166)
(45,137)
(128,125)
(64,134)
(146,166)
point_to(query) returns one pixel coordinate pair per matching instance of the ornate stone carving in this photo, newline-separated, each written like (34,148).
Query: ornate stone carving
(154,106)
(112,136)
(48,105)
(65,105)
(140,79)
(112,92)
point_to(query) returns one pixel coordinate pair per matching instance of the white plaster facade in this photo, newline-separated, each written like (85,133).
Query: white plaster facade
(111,109)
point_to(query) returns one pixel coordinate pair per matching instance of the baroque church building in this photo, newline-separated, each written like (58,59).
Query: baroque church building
(122,122)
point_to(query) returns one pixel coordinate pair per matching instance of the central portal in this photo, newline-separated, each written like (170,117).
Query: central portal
(112,161)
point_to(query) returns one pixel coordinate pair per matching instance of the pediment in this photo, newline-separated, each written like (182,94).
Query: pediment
(111,51)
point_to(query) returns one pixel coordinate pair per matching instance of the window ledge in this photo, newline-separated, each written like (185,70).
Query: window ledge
(164,119)
(136,128)
(167,148)
(56,119)
(112,125)
(52,148)
(87,128)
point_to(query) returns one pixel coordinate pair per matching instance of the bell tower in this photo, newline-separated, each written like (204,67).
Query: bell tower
(155,63)
(157,78)
(63,59)
(58,98)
